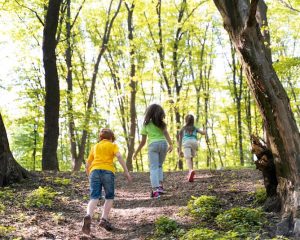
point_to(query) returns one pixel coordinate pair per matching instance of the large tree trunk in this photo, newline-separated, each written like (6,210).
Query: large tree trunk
(52,98)
(241,24)
(10,170)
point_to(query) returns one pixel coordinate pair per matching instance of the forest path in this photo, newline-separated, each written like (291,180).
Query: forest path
(134,212)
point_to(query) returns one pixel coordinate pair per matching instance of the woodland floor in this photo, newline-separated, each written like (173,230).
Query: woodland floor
(134,212)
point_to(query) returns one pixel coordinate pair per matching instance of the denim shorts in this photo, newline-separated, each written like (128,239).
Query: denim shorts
(99,179)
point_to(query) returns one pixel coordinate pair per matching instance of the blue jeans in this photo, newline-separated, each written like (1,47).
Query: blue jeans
(157,152)
(102,178)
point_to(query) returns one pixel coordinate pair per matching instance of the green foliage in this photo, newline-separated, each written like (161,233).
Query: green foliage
(204,207)
(6,194)
(241,220)
(2,208)
(41,197)
(200,234)
(62,181)
(5,230)
(165,226)
(208,234)
(280,238)
(260,195)
(285,64)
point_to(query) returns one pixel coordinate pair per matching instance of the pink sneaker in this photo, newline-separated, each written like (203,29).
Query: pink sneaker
(191,176)
(161,190)
(155,194)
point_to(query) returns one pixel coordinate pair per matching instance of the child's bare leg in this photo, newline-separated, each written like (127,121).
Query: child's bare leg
(91,207)
(106,208)
(189,163)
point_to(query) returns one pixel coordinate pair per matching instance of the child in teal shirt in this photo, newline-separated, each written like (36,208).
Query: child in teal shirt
(187,139)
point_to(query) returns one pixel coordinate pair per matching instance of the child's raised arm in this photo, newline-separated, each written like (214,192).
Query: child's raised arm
(203,132)
(123,164)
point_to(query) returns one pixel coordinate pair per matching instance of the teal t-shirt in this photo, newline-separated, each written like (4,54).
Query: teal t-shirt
(154,133)
(188,136)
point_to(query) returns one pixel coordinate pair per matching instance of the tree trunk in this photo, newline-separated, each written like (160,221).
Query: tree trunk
(272,100)
(10,170)
(265,163)
(133,88)
(52,98)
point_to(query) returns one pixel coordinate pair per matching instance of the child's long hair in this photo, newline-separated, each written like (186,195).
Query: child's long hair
(106,133)
(189,124)
(156,114)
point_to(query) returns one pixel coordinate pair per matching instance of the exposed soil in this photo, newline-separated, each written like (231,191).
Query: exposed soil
(134,212)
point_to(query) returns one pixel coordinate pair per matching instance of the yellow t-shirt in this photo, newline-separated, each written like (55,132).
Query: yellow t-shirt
(102,155)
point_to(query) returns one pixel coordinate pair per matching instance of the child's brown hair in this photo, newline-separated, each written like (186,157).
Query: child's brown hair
(106,133)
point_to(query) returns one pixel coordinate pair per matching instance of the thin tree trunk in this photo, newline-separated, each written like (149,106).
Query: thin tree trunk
(105,40)
(133,88)
(52,98)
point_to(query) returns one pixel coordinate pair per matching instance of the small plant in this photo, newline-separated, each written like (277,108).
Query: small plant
(4,231)
(58,218)
(6,194)
(280,238)
(41,197)
(241,220)
(260,195)
(2,208)
(62,181)
(200,234)
(204,207)
(165,226)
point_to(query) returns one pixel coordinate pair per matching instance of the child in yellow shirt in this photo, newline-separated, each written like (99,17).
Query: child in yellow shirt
(100,169)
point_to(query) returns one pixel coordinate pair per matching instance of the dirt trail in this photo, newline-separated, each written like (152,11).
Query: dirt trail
(134,213)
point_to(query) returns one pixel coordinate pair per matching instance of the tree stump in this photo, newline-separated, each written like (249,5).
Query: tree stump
(265,163)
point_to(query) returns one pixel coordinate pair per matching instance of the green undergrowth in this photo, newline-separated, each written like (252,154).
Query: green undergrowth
(41,197)
(5,231)
(204,207)
(214,223)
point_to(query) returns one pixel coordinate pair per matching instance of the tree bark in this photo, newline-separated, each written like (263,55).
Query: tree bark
(265,163)
(241,24)
(133,87)
(10,170)
(52,98)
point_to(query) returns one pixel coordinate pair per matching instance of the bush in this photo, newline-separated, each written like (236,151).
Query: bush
(204,207)
(41,197)
(260,195)
(165,226)
(241,220)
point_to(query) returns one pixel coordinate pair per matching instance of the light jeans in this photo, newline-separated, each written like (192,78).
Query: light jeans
(157,152)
